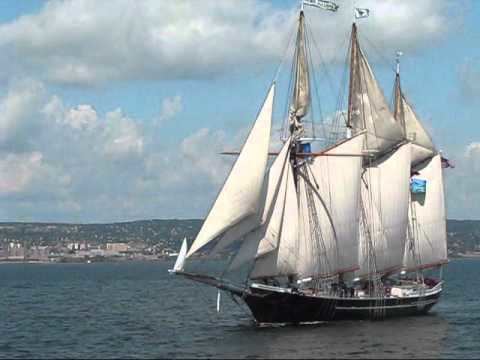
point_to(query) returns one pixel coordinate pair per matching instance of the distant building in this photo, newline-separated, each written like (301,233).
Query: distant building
(117,247)
(15,251)
(77,246)
(39,253)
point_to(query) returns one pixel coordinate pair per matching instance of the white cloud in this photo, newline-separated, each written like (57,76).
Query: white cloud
(171,106)
(87,166)
(81,117)
(472,150)
(18,170)
(23,98)
(89,42)
(462,190)
(202,153)
(122,136)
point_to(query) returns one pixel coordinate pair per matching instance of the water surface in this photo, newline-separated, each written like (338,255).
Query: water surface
(136,310)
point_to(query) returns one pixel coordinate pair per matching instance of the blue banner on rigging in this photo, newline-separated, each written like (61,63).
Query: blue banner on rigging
(418,186)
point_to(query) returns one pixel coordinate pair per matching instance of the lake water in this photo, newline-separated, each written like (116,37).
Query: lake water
(136,310)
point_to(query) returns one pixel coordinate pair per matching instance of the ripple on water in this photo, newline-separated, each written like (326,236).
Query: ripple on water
(135,310)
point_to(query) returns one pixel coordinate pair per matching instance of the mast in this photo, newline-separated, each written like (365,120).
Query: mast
(354,78)
(398,111)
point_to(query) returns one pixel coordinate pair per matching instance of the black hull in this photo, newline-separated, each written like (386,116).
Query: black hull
(277,307)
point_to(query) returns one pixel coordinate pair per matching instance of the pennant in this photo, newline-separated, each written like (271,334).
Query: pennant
(361,13)
(322,4)
(447,163)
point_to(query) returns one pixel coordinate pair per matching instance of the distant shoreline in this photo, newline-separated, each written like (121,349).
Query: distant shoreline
(33,262)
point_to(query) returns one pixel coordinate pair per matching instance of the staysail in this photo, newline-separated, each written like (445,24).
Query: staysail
(282,260)
(181,258)
(422,144)
(384,217)
(367,107)
(266,237)
(238,203)
(427,219)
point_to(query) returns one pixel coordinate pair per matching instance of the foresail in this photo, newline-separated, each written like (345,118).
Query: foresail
(282,260)
(265,238)
(329,191)
(384,213)
(368,110)
(427,219)
(239,201)
(181,257)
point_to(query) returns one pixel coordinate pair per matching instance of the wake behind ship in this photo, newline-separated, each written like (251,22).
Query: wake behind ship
(354,230)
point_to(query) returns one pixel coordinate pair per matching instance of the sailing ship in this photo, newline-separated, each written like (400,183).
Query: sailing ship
(356,230)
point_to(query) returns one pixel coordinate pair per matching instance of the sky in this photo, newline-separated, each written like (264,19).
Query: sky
(117,110)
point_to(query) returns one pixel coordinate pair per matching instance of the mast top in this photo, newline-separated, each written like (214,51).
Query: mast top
(399,54)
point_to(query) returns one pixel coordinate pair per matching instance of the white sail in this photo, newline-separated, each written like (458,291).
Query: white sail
(239,201)
(265,238)
(422,145)
(180,258)
(384,214)
(301,89)
(427,219)
(282,260)
(368,108)
(329,208)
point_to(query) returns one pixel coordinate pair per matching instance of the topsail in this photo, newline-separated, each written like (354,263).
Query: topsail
(422,144)
(301,90)
(368,108)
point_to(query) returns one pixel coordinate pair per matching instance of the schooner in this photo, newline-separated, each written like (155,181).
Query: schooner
(353,231)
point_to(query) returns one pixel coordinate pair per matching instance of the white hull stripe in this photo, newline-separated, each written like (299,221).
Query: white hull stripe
(386,307)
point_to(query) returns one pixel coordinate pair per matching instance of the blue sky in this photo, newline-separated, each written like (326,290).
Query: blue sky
(117,110)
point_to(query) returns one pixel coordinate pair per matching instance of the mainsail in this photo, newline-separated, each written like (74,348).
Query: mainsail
(367,107)
(422,145)
(384,218)
(238,203)
(428,246)
(329,190)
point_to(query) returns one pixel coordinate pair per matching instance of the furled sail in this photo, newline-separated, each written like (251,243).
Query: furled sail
(427,219)
(265,238)
(329,190)
(239,201)
(301,89)
(422,145)
(367,107)
(384,215)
